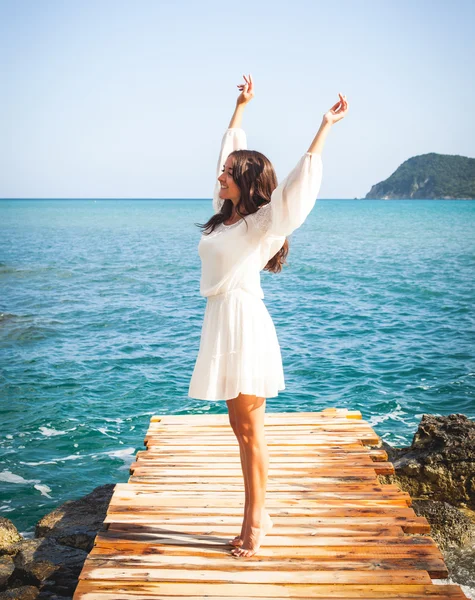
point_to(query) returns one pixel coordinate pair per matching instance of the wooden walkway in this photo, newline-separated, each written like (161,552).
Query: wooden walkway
(338,532)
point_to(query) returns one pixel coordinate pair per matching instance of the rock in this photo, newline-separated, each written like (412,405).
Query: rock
(9,537)
(6,569)
(48,565)
(438,471)
(440,463)
(76,522)
(450,527)
(25,592)
(461,565)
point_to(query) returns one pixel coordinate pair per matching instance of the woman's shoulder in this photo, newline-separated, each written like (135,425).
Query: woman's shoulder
(262,217)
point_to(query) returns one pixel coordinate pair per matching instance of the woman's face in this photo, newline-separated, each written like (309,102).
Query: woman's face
(229,189)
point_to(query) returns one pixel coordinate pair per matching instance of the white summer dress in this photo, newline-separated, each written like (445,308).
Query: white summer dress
(239,351)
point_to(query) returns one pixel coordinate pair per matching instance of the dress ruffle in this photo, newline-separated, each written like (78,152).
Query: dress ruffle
(239,350)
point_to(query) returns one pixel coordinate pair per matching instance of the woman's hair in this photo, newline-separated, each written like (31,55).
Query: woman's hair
(254,174)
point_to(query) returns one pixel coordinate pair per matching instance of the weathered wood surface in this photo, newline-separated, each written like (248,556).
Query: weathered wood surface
(338,532)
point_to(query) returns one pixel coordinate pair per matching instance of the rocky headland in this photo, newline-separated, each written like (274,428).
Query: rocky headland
(437,469)
(441,176)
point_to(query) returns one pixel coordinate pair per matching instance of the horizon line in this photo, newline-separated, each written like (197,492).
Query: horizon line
(210,199)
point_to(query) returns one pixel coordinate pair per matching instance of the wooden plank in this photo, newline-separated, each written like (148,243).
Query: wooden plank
(340,539)
(322,439)
(336,450)
(233,491)
(289,535)
(275,471)
(329,560)
(232,514)
(271,430)
(232,459)
(289,456)
(112,590)
(236,473)
(190,501)
(275,453)
(409,525)
(110,571)
(326,487)
(218,485)
(119,590)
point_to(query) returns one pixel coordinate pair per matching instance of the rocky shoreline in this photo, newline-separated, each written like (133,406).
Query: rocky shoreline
(438,470)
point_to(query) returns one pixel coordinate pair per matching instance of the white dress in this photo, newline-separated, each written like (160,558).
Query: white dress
(239,351)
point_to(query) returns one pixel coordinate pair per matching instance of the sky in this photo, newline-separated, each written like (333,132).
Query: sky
(130,99)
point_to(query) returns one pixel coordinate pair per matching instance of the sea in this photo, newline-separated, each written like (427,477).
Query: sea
(100,322)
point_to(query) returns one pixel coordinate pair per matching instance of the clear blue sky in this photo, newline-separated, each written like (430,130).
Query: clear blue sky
(111,98)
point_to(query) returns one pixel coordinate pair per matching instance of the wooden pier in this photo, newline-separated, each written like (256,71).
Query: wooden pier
(338,532)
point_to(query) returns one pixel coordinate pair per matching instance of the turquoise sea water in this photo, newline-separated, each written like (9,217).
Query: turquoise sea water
(100,320)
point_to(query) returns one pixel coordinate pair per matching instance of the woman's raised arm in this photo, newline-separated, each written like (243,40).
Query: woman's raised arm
(246,95)
(234,137)
(293,199)
(336,112)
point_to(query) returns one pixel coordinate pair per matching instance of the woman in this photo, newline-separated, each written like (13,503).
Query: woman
(239,358)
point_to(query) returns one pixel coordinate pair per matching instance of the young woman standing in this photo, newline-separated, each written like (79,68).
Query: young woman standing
(239,359)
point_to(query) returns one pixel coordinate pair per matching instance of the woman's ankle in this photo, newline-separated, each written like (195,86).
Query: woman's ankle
(256,516)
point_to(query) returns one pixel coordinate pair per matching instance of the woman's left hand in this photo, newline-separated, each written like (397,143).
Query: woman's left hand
(337,111)
(246,89)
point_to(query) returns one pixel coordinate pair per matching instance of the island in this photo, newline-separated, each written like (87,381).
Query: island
(429,176)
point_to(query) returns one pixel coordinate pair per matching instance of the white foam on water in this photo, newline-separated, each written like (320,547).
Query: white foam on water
(10,477)
(28,535)
(396,414)
(35,464)
(43,489)
(120,453)
(375,419)
(103,430)
(5,506)
(49,431)
(54,461)
(125,454)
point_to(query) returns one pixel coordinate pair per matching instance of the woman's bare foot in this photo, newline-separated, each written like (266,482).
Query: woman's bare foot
(251,542)
(238,540)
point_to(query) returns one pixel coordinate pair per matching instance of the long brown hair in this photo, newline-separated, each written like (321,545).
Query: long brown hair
(254,174)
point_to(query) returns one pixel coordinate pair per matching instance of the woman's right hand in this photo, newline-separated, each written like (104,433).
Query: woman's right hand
(337,111)
(247,90)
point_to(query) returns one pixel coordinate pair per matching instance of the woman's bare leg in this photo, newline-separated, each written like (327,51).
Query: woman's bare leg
(249,414)
(238,540)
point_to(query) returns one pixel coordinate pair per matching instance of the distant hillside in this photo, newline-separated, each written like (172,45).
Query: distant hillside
(429,176)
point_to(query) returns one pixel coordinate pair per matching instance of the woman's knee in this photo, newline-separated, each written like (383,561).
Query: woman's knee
(249,417)
(232,416)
